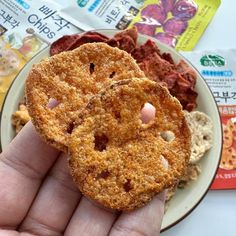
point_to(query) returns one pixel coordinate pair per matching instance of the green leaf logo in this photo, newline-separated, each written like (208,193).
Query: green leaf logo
(212,60)
(82,3)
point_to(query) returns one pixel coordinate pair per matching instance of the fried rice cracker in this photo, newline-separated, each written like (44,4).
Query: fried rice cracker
(71,78)
(119,161)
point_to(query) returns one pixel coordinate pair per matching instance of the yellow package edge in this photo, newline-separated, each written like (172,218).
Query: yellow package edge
(196,26)
(6,81)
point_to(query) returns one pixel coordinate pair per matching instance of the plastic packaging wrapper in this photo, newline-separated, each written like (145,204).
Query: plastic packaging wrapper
(218,68)
(26,28)
(177,23)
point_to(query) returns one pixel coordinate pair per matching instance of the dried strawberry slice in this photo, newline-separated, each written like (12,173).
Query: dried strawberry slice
(63,44)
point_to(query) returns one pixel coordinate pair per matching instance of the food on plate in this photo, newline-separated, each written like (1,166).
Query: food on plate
(179,78)
(59,88)
(228,160)
(70,42)
(121,162)
(179,85)
(184,181)
(20,117)
(63,44)
(191,174)
(71,78)
(124,40)
(201,128)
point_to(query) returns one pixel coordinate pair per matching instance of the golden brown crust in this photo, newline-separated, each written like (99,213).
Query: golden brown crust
(117,160)
(71,78)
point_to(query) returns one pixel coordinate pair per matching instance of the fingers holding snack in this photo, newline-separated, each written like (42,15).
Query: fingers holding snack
(73,78)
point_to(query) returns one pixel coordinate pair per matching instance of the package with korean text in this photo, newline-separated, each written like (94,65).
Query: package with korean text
(26,27)
(218,68)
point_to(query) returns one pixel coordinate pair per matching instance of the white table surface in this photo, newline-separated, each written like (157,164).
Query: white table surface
(216,214)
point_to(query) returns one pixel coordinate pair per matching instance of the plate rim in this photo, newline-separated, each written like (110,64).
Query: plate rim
(10,87)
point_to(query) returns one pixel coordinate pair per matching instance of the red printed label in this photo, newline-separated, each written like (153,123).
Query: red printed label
(226,175)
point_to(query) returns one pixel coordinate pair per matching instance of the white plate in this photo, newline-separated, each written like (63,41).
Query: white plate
(185,200)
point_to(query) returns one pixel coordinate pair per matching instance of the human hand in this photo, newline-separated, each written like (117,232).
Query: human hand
(38,197)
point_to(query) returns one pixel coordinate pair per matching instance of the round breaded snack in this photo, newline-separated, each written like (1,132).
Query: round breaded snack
(71,78)
(201,128)
(117,160)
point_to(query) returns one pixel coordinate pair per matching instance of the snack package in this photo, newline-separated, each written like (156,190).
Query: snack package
(178,23)
(219,71)
(26,28)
